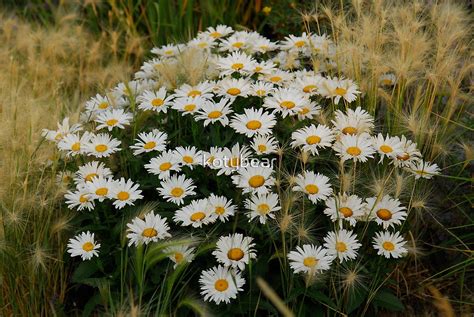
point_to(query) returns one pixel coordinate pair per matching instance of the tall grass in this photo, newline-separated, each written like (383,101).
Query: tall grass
(44,73)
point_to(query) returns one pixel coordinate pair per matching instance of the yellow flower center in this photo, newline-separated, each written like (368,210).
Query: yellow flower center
(219,210)
(387,82)
(346,212)
(101,191)
(88,246)
(312,189)
(58,137)
(194,93)
(237,66)
(177,192)
(190,107)
(257,69)
(275,79)
(149,233)
(202,45)
(238,44)
(101,148)
(260,92)
(386,148)
(341,247)
(214,114)
(103,105)
(310,261)
(178,257)
(188,159)
(263,209)
(287,104)
(233,91)
(123,196)
(165,166)
(169,52)
(76,147)
(253,125)
(149,145)
(90,176)
(256,181)
(112,122)
(405,156)
(157,102)
(235,254)
(349,130)
(262,148)
(215,34)
(340,91)
(300,43)
(389,246)
(197,216)
(83,199)
(384,214)
(234,162)
(309,88)
(353,150)
(221,285)
(313,139)
(304,110)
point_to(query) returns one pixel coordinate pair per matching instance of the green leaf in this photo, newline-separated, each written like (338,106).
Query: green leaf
(388,300)
(84,271)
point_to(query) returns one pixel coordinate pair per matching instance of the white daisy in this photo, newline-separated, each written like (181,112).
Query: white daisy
(203,42)
(409,155)
(254,179)
(308,84)
(152,229)
(100,188)
(229,161)
(264,68)
(356,121)
(113,118)
(262,206)
(196,214)
(237,41)
(389,244)
(80,199)
(64,129)
(278,77)
(74,144)
(235,250)
(387,211)
(188,156)
(176,188)
(316,186)
(154,100)
(84,245)
(312,138)
(309,259)
(125,192)
(345,207)
(423,169)
(263,45)
(354,147)
(163,165)
(389,147)
(309,110)
(253,122)
(221,206)
(236,62)
(387,80)
(220,284)
(169,50)
(219,31)
(208,157)
(261,89)
(203,89)
(342,244)
(337,88)
(295,43)
(179,254)
(212,112)
(286,101)
(151,141)
(90,170)
(102,145)
(232,87)
(264,144)
(188,105)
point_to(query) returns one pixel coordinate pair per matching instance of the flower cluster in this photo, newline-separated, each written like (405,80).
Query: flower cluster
(263,98)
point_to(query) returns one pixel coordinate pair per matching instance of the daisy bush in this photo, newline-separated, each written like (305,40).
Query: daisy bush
(232,157)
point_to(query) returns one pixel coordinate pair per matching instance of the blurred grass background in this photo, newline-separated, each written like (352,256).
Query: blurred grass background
(56,54)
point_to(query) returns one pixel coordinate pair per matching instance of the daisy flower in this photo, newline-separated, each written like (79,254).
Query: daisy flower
(203,89)
(188,105)
(188,156)
(152,229)
(219,31)
(99,103)
(229,161)
(387,80)
(102,145)
(113,118)
(389,244)
(261,89)
(345,207)
(176,188)
(295,43)
(74,144)
(354,147)
(84,245)
(100,187)
(169,50)
(409,155)
(235,250)
(264,68)
(236,62)
(286,101)
(389,147)
(220,284)
(90,170)
(63,130)
(179,254)
(163,165)
(308,84)
(221,206)
(263,45)
(254,179)
(342,244)
(337,88)
(154,100)
(387,211)
(356,121)
(262,206)
(208,157)
(278,77)
(151,141)
(309,110)
(125,192)
(80,199)
(253,122)
(212,112)
(203,42)
(237,41)
(309,259)
(232,87)
(316,186)
(312,138)
(196,214)
(423,169)
(264,144)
